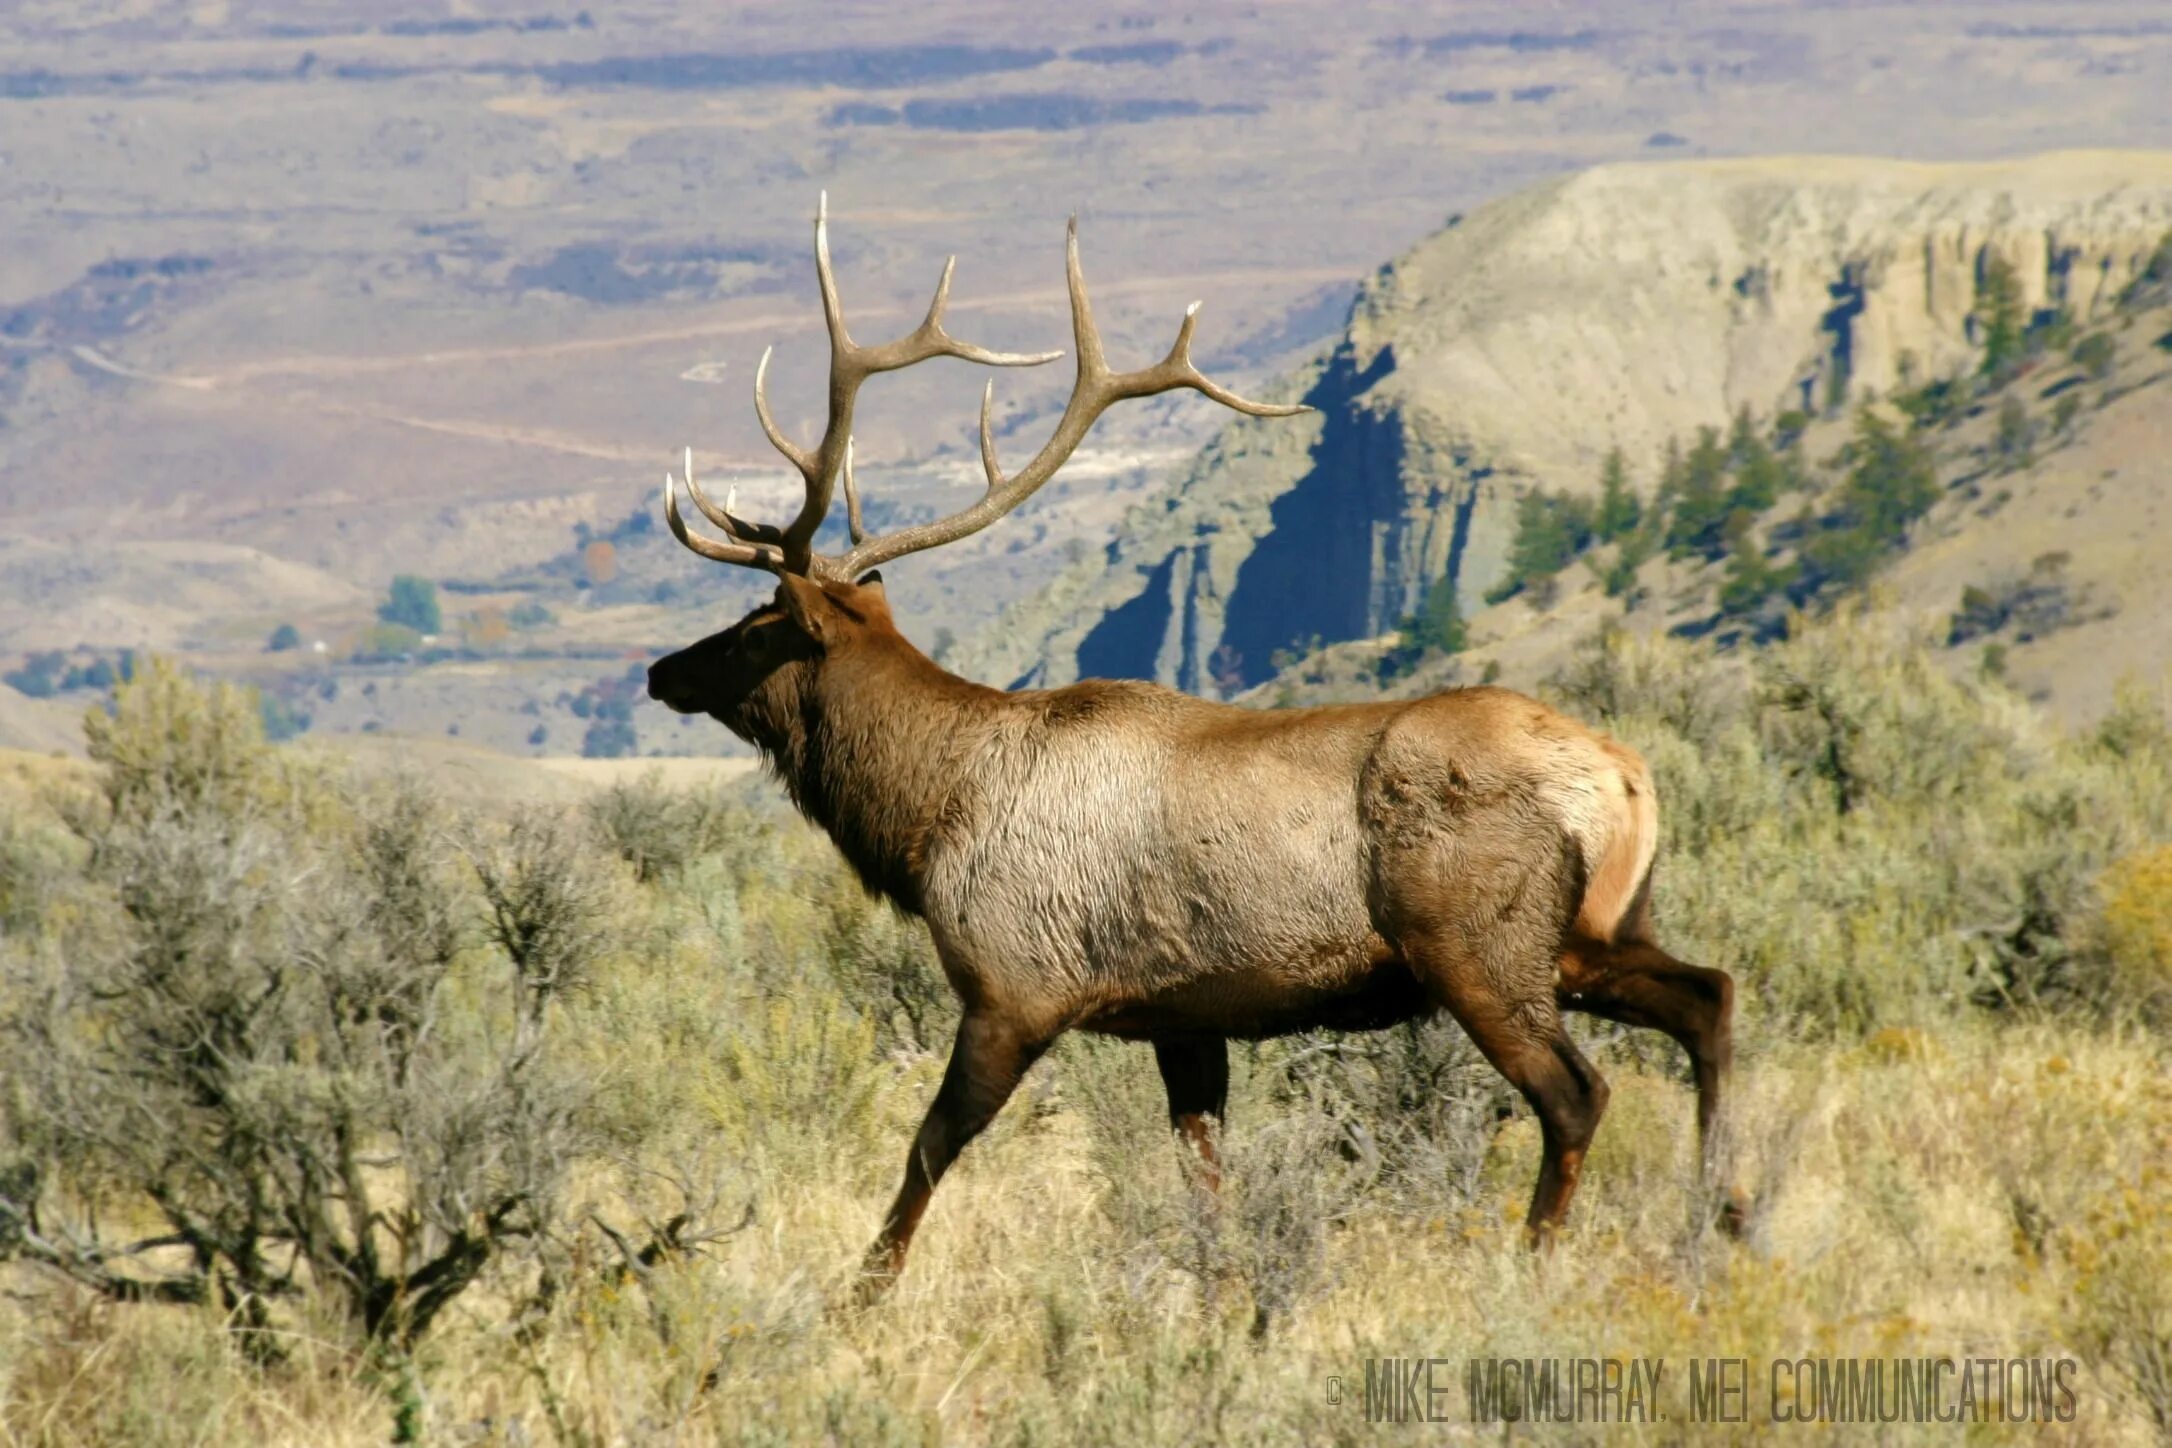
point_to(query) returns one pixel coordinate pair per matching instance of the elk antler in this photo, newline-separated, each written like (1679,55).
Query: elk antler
(1095,390)
(761,552)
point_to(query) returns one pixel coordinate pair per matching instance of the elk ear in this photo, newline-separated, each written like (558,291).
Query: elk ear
(869,602)
(806,603)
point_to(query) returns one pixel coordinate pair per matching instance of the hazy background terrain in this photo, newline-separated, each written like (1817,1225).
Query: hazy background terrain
(299,296)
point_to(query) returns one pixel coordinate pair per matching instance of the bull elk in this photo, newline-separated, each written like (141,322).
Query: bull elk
(1115,856)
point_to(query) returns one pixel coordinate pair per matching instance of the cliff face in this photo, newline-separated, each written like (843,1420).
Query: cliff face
(1620,306)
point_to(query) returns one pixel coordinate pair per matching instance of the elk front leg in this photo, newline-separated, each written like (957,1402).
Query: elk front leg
(986,1063)
(1195,1071)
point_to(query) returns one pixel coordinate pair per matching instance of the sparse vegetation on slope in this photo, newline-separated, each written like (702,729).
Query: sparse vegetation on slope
(1756,526)
(1799,290)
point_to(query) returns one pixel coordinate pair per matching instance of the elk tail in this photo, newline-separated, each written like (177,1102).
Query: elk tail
(1617,901)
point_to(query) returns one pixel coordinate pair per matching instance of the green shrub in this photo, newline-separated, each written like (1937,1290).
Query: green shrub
(2096,354)
(37,858)
(412,603)
(2138,932)
(1867,839)
(39,677)
(1289,1179)
(2016,433)
(171,745)
(385,642)
(2121,1307)
(1414,1108)
(259,994)
(798,1080)
(659,830)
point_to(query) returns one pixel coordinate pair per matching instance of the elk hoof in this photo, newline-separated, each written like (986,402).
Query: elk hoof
(878,1274)
(1734,1213)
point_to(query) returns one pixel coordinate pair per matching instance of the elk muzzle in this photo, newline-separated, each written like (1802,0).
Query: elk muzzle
(673,683)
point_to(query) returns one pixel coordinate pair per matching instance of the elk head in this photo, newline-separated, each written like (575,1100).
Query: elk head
(756,677)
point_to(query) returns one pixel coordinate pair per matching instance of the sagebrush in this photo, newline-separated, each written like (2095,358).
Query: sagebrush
(502,1126)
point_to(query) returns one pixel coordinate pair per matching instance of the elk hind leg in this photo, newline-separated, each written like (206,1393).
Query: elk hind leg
(1195,1072)
(1519,1030)
(1477,892)
(1637,983)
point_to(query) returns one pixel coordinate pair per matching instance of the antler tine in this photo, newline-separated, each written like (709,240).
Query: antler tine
(833,311)
(934,319)
(739,528)
(850,365)
(753,555)
(1176,370)
(987,437)
(1094,391)
(930,340)
(852,499)
(1087,336)
(798,456)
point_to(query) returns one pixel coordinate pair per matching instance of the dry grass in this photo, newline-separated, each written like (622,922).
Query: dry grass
(1935,1170)
(1936,1198)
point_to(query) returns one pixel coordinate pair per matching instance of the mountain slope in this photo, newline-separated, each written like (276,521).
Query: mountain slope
(1621,306)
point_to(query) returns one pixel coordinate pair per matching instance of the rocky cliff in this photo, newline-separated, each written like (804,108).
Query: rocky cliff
(1620,306)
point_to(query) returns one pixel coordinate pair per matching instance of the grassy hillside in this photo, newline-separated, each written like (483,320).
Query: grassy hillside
(673,1113)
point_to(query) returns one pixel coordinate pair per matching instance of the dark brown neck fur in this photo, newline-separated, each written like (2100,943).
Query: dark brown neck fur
(877,742)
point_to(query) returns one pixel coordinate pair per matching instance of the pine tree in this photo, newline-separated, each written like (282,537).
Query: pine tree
(1438,624)
(1999,313)
(1551,529)
(1638,546)
(1748,580)
(1742,436)
(1700,512)
(1759,475)
(1893,482)
(1619,506)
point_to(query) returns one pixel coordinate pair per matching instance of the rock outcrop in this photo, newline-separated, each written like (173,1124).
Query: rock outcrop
(1620,306)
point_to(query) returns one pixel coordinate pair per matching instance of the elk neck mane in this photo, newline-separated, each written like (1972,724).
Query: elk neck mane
(882,742)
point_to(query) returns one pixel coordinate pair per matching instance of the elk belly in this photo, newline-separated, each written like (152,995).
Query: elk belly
(1253,924)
